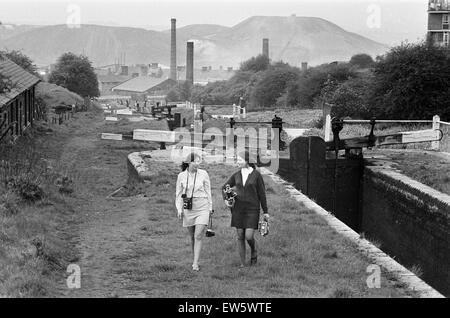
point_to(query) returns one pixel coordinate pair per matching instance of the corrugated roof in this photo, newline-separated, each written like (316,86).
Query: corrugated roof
(139,84)
(21,79)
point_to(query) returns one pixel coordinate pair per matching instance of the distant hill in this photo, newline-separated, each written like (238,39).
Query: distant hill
(199,31)
(10,30)
(292,39)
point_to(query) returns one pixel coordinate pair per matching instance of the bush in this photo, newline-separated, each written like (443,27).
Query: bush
(27,189)
(362,61)
(350,99)
(412,81)
(255,64)
(317,84)
(272,86)
(75,72)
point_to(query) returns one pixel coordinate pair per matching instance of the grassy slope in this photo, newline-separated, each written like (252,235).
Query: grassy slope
(27,270)
(54,95)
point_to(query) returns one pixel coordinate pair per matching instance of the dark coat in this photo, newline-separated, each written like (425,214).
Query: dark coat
(249,200)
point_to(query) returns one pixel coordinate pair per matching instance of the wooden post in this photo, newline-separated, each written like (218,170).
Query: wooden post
(327,128)
(435,144)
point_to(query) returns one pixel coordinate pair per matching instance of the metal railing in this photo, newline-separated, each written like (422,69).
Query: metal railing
(435,122)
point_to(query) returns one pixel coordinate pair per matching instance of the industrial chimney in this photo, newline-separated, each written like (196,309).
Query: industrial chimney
(304,66)
(173,49)
(265,47)
(190,62)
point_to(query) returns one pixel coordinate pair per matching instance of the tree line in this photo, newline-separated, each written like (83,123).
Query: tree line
(410,81)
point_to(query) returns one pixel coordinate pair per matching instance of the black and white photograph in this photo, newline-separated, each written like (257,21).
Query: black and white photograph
(226,155)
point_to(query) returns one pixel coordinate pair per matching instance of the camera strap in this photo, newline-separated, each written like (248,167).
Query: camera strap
(187,183)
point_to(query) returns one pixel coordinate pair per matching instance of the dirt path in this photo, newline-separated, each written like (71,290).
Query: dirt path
(106,231)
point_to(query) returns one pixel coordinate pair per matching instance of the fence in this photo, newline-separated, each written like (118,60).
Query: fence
(436,125)
(444,144)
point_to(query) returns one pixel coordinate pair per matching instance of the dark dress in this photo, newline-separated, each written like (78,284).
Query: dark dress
(249,200)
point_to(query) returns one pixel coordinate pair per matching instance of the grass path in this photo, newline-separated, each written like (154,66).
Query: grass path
(136,247)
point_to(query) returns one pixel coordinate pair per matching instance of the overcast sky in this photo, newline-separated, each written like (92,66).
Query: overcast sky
(387,21)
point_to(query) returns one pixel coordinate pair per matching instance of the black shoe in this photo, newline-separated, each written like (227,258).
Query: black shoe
(254,260)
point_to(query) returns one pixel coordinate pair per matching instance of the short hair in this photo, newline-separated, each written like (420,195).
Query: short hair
(189,158)
(249,158)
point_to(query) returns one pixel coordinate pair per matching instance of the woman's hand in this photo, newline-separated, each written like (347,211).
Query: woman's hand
(266,217)
(180,215)
(228,203)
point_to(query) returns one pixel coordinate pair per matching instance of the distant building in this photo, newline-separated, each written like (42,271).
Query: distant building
(17,106)
(207,75)
(139,87)
(107,82)
(438,22)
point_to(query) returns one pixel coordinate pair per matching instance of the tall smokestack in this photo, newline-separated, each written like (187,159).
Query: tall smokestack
(190,62)
(265,47)
(173,49)
(304,66)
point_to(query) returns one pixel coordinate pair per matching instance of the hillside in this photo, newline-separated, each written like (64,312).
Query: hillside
(10,30)
(198,31)
(292,39)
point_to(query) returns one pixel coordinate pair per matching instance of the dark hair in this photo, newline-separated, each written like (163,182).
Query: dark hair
(246,156)
(191,157)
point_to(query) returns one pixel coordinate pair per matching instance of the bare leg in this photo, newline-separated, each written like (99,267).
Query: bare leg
(191,230)
(250,238)
(199,234)
(241,245)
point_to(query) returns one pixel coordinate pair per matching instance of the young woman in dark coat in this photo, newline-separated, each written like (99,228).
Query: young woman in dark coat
(245,214)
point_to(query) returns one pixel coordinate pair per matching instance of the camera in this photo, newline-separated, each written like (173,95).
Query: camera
(230,195)
(209,231)
(187,202)
(263,228)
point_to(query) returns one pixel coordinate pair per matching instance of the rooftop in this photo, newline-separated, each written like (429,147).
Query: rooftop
(139,84)
(111,78)
(21,79)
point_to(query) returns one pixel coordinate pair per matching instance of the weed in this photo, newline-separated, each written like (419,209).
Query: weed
(8,204)
(341,292)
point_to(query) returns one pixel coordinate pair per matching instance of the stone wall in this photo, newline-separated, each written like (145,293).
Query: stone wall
(410,220)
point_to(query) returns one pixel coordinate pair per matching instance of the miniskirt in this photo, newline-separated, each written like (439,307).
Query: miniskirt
(244,215)
(199,215)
